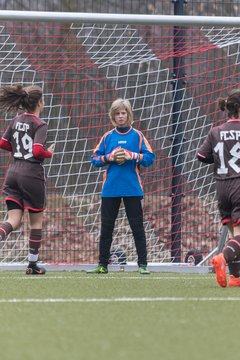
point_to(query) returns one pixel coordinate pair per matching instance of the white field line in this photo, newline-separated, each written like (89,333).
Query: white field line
(106,277)
(120,300)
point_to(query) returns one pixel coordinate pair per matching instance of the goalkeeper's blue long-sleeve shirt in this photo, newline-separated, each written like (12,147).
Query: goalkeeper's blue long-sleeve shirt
(122,180)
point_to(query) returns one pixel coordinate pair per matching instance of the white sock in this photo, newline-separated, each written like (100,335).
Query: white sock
(32,257)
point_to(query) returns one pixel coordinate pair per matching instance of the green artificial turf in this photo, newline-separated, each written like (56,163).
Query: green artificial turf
(73,315)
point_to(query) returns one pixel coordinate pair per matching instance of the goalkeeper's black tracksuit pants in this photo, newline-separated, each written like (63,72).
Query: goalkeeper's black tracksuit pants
(109,212)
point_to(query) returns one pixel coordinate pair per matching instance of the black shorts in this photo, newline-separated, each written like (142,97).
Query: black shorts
(228,195)
(25,185)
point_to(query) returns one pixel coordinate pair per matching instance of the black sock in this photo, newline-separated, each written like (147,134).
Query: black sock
(234,267)
(34,244)
(232,249)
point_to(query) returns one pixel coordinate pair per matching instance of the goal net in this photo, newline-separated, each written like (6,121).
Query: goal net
(82,68)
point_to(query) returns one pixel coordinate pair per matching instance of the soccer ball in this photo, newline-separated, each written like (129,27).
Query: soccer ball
(118,256)
(193,256)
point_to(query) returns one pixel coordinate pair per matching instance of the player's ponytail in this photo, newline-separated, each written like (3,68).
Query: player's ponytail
(231,104)
(222,104)
(15,97)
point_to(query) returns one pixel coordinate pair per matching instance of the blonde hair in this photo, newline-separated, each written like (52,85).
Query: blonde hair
(118,105)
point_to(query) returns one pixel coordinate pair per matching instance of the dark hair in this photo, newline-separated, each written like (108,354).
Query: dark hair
(231,104)
(15,97)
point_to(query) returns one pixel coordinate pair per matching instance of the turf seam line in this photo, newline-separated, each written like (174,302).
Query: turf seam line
(104,300)
(104,277)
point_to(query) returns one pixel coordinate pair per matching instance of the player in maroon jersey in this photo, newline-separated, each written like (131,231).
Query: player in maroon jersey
(24,185)
(222,148)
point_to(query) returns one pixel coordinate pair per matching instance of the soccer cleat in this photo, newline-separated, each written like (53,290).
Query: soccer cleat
(100,269)
(219,264)
(33,269)
(143,270)
(233,281)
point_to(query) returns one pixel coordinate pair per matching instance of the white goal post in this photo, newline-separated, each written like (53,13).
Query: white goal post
(161,20)
(172,69)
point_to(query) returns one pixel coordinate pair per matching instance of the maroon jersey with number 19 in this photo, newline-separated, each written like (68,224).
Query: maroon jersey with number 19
(23,132)
(25,181)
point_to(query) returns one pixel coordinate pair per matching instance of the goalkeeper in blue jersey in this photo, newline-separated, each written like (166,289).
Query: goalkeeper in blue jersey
(122,150)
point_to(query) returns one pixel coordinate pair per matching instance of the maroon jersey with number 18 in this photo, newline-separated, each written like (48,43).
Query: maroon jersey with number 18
(222,147)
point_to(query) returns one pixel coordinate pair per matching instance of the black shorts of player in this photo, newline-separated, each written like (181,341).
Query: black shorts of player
(11,205)
(25,185)
(228,196)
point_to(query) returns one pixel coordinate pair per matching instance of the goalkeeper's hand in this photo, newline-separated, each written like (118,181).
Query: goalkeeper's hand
(130,155)
(120,156)
(117,155)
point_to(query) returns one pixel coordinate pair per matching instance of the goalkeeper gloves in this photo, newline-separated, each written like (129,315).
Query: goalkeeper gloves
(117,155)
(111,157)
(130,155)
(120,155)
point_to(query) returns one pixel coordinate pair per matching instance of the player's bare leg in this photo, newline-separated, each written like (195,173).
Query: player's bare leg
(12,223)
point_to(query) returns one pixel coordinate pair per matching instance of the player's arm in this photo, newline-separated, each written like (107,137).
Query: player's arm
(145,157)
(5,145)
(38,146)
(204,159)
(205,153)
(5,142)
(98,157)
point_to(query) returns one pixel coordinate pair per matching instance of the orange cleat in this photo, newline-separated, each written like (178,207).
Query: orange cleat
(219,264)
(233,281)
